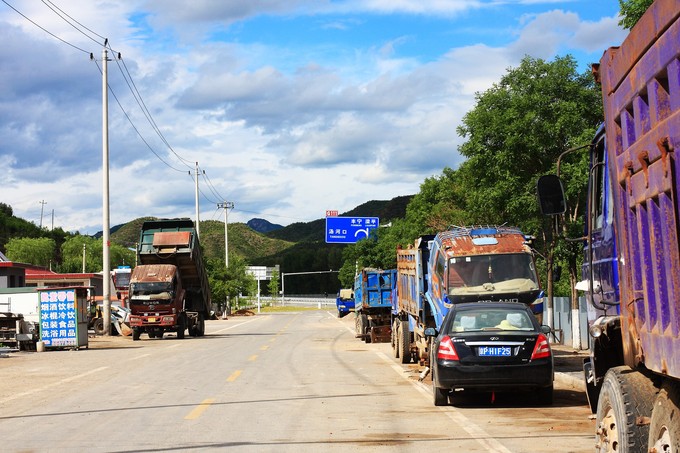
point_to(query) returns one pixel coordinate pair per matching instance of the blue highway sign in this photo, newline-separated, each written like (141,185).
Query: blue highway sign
(348,230)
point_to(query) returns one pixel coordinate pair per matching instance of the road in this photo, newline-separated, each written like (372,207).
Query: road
(283,382)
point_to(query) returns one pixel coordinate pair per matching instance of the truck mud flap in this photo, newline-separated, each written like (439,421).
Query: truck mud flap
(381,334)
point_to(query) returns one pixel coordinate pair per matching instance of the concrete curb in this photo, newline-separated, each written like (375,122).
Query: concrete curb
(569,380)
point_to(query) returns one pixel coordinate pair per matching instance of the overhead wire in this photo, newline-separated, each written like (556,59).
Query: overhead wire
(45,30)
(59,13)
(135,127)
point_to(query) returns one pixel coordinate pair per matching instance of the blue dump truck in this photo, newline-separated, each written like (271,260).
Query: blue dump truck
(373,290)
(458,265)
(344,302)
(632,251)
(169,289)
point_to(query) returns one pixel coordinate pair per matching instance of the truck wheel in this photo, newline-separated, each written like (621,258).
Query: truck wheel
(394,338)
(361,321)
(366,324)
(404,341)
(136,333)
(98,326)
(200,327)
(181,327)
(626,397)
(357,325)
(592,392)
(664,430)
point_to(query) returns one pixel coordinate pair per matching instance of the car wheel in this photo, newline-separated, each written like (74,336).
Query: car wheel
(544,396)
(440,396)
(626,397)
(664,429)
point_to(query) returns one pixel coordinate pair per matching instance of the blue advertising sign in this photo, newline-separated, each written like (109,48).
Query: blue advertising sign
(348,230)
(58,317)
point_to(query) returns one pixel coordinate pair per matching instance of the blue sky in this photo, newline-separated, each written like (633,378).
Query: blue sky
(290,107)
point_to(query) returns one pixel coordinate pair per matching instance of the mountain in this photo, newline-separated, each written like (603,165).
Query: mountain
(263,226)
(314,231)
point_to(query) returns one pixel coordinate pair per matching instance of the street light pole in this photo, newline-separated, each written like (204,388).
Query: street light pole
(106,268)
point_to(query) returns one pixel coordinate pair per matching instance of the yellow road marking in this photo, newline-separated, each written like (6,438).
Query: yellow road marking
(193,415)
(234,375)
(264,348)
(252,358)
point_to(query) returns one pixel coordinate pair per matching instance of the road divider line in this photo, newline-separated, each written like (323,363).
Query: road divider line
(252,358)
(240,324)
(475,431)
(234,375)
(264,347)
(198,410)
(54,384)
(140,356)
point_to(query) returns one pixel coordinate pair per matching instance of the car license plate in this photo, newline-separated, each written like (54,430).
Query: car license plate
(152,319)
(495,351)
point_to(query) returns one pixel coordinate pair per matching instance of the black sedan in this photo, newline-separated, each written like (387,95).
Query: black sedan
(491,346)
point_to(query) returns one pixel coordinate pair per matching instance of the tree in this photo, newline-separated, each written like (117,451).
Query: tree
(632,11)
(273,285)
(515,133)
(228,282)
(39,251)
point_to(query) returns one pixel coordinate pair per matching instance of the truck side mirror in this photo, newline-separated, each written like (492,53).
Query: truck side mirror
(551,195)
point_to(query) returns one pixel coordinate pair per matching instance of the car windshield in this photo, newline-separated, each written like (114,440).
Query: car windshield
(513,272)
(490,318)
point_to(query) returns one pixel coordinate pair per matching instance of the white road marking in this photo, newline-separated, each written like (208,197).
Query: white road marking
(54,384)
(475,431)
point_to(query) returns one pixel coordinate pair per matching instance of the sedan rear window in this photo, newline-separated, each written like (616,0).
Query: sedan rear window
(491,319)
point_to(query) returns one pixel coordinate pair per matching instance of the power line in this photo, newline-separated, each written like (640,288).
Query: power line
(45,30)
(59,13)
(135,127)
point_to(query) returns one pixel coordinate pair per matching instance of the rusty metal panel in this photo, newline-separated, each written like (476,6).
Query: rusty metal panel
(171,239)
(459,241)
(641,94)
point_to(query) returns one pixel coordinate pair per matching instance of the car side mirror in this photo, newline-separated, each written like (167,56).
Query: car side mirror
(546,329)
(430,332)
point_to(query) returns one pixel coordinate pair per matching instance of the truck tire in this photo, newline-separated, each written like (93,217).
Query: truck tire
(98,326)
(664,429)
(592,392)
(361,324)
(136,333)
(181,326)
(626,397)
(394,337)
(200,327)
(404,340)
(366,328)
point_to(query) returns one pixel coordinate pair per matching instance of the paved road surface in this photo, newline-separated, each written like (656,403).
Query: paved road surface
(286,382)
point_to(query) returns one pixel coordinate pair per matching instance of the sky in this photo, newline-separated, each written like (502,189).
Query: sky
(289,107)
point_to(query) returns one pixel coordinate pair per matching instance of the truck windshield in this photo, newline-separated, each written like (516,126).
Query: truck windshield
(514,272)
(149,288)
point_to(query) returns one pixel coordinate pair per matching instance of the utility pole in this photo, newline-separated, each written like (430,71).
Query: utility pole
(106,268)
(42,208)
(84,247)
(52,220)
(198,228)
(227,205)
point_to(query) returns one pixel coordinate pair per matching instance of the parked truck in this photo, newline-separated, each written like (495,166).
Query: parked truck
(373,290)
(344,302)
(632,257)
(169,289)
(458,265)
